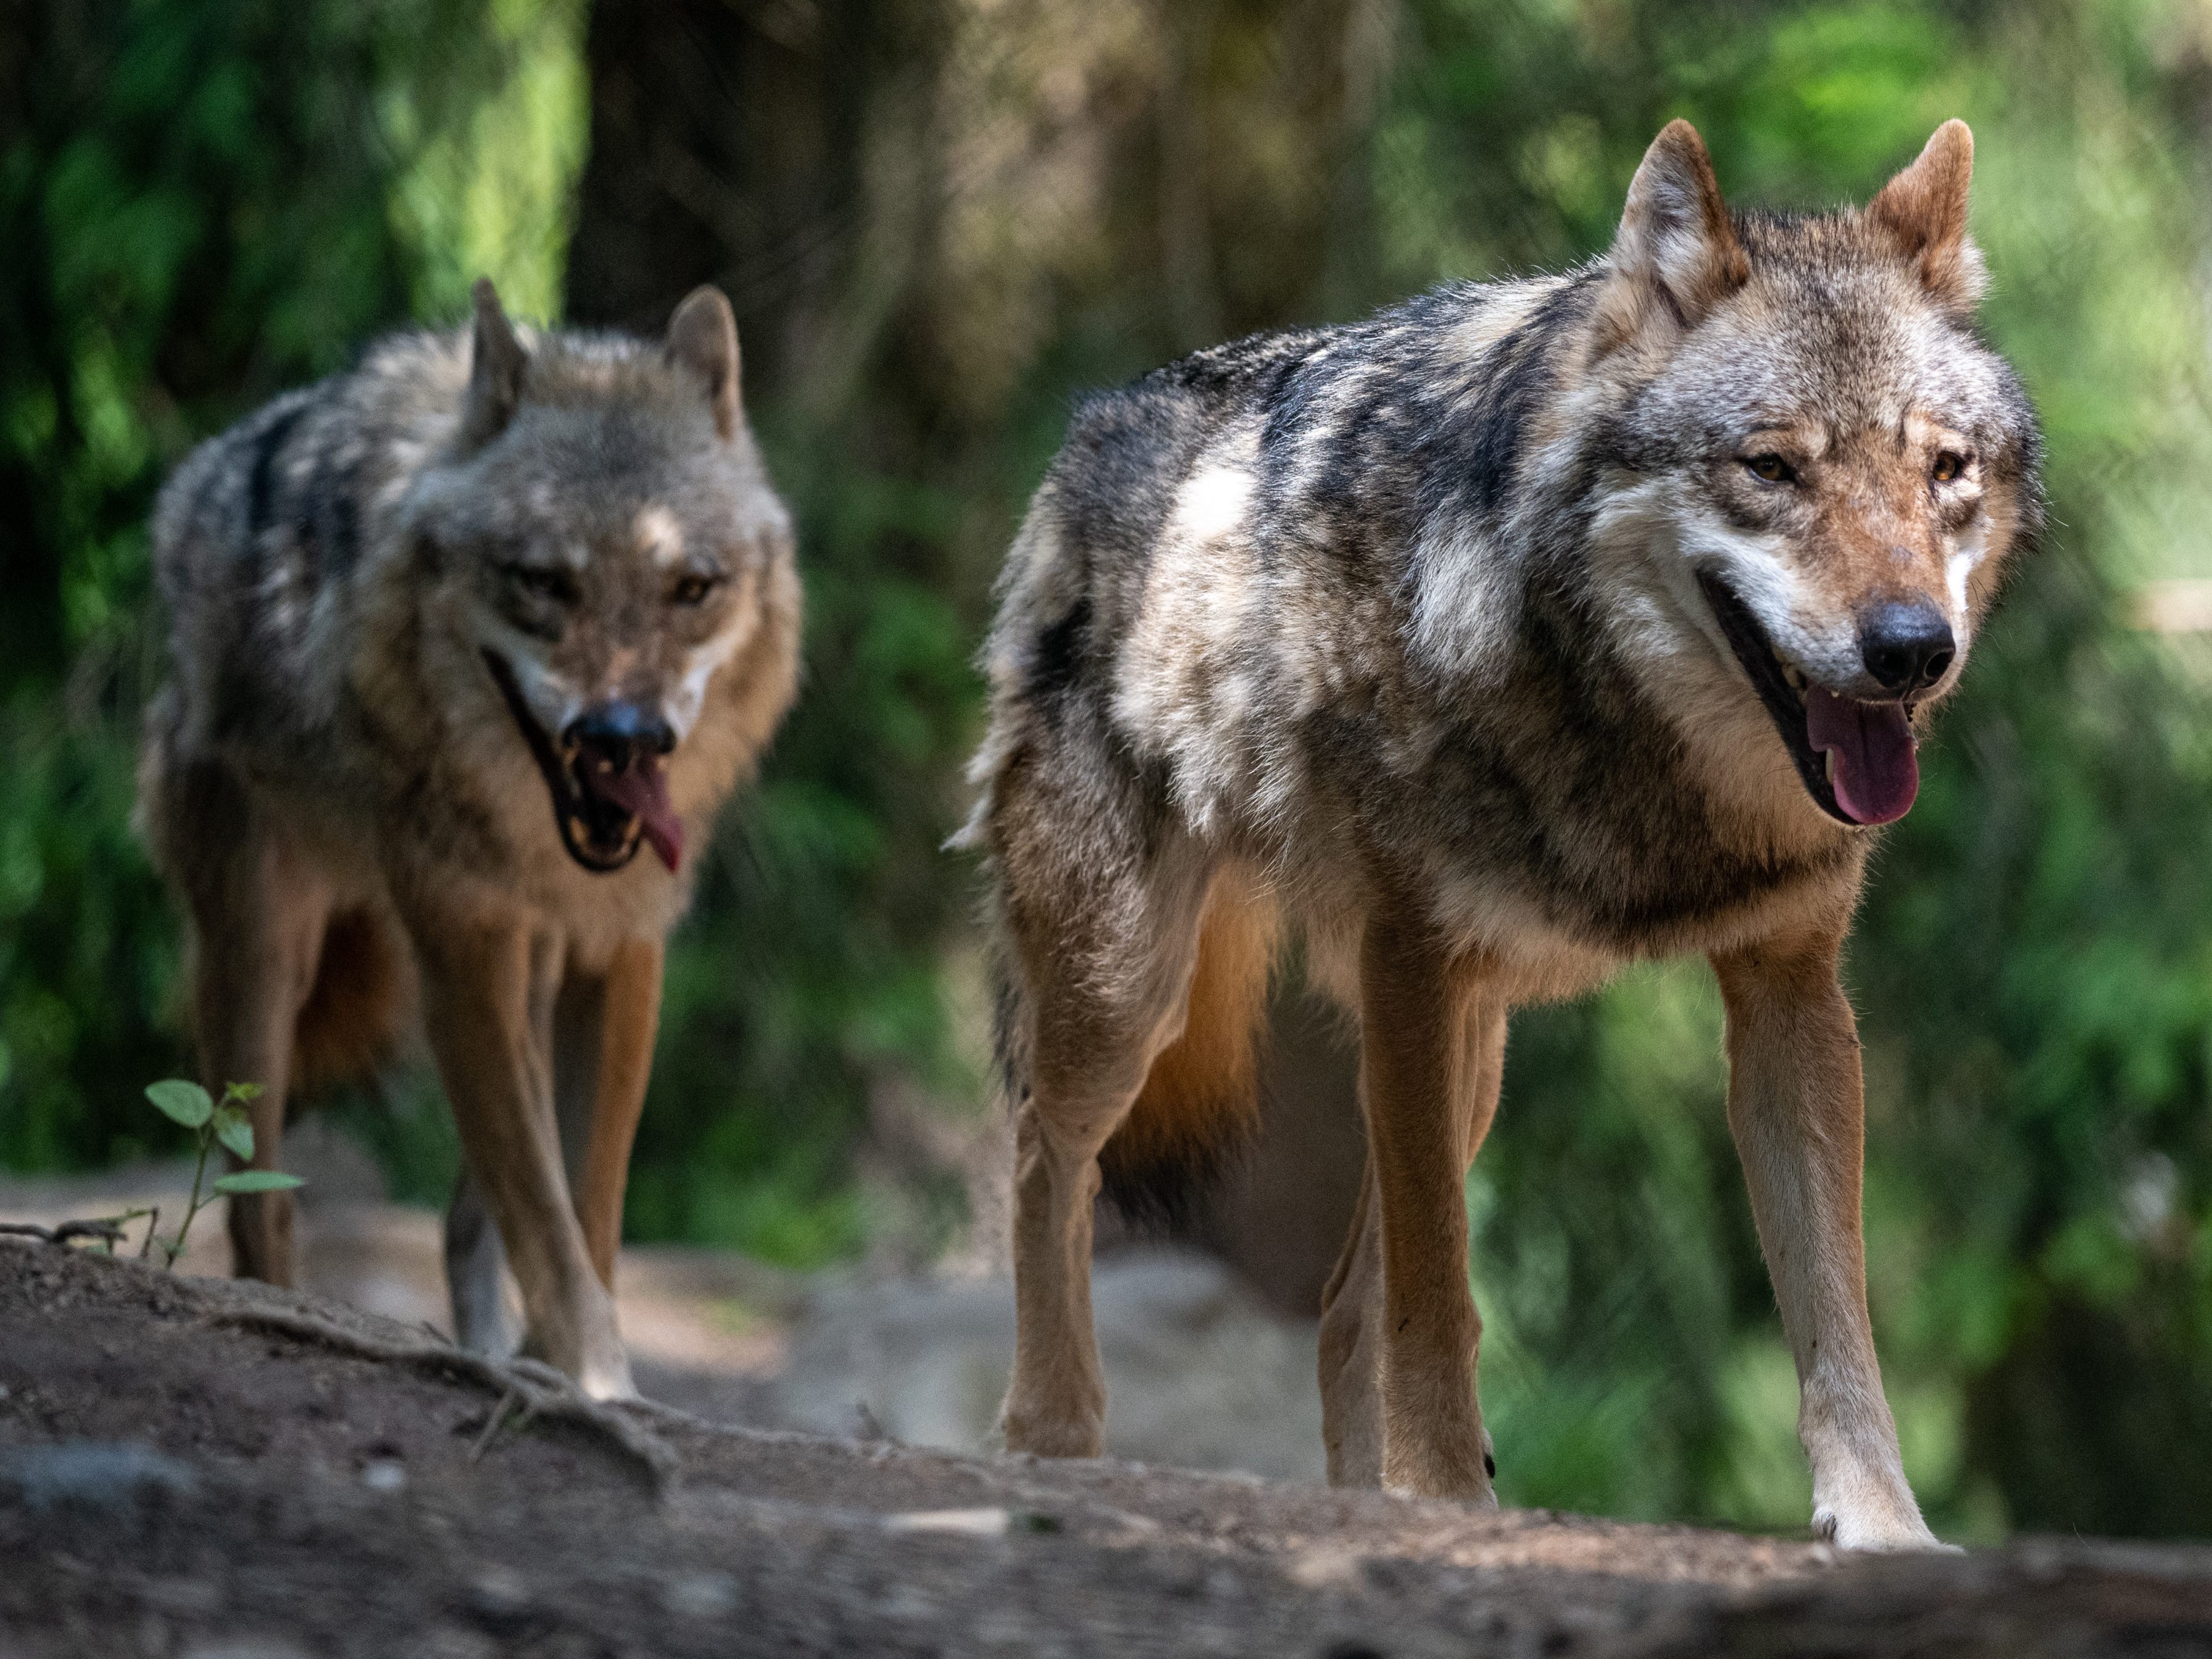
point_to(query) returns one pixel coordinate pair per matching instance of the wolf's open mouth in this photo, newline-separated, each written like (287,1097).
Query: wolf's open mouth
(1856,758)
(603,811)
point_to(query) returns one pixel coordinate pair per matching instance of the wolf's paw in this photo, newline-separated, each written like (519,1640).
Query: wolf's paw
(1474,1495)
(1042,1436)
(1458,1480)
(607,1378)
(1884,1533)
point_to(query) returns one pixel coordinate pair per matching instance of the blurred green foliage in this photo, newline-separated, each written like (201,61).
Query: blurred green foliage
(939,219)
(203,204)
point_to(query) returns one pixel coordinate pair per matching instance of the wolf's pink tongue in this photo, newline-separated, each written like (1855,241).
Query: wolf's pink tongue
(642,789)
(1876,773)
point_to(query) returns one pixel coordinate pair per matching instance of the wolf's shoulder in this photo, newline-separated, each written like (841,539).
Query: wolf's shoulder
(279,505)
(1431,341)
(208,489)
(1171,407)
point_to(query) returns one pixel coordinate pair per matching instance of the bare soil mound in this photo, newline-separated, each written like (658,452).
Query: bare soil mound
(210,1469)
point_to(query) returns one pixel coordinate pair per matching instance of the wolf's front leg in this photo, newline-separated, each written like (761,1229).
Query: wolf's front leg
(488,990)
(1797,1112)
(602,1031)
(1420,1075)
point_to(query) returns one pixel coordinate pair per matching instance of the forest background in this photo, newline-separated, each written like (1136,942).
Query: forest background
(939,222)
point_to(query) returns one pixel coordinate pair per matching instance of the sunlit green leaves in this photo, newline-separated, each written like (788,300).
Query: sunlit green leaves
(256,1180)
(494,194)
(181,1102)
(234,1130)
(199,203)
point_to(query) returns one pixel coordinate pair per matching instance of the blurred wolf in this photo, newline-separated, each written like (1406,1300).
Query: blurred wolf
(1515,633)
(454,635)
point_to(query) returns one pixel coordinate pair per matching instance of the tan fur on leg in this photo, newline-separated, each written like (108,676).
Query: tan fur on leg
(1796,1110)
(1352,1305)
(259,908)
(1106,980)
(1419,1074)
(489,996)
(603,1057)
(1351,1406)
(1056,1400)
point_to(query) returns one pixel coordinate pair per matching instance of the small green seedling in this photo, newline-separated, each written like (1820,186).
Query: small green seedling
(214,1122)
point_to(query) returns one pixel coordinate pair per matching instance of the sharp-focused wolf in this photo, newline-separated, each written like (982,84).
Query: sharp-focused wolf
(1520,632)
(454,635)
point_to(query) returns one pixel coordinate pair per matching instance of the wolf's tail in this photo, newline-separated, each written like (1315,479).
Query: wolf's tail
(1200,1105)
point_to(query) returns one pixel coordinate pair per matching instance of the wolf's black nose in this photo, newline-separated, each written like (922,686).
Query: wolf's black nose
(620,731)
(1906,648)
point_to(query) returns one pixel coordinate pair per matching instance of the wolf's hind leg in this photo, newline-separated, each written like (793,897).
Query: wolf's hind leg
(1351,1409)
(259,907)
(484,1318)
(1432,1050)
(1796,1109)
(1104,950)
(1351,1305)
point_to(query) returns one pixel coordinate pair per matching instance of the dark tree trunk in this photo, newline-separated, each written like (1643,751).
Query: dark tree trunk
(937,226)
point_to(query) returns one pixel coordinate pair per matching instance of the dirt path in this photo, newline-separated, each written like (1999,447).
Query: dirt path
(184,1472)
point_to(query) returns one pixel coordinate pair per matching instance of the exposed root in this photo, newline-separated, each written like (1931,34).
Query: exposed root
(542,1392)
(108,1230)
(492,1425)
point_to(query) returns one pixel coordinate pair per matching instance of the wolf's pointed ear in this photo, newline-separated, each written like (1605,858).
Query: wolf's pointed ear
(1924,211)
(1675,235)
(702,336)
(496,363)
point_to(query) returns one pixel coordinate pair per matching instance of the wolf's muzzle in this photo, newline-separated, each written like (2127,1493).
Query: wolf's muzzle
(607,775)
(620,732)
(1855,757)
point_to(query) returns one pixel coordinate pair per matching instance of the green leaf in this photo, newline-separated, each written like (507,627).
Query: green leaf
(187,1102)
(256,1180)
(242,1093)
(235,1130)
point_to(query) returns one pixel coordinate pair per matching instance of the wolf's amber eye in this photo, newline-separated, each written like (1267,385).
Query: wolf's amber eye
(1769,469)
(1948,465)
(692,590)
